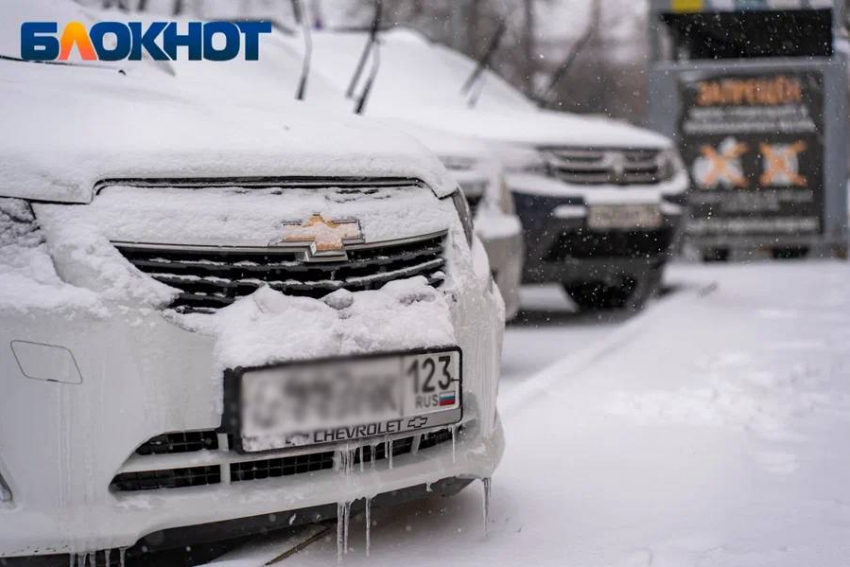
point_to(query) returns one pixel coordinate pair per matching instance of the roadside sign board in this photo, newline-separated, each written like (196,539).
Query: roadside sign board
(691,6)
(754,147)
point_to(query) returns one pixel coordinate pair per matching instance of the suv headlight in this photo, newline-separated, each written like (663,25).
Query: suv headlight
(462,206)
(520,159)
(670,164)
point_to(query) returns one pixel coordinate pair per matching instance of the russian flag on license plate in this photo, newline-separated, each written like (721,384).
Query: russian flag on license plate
(448,399)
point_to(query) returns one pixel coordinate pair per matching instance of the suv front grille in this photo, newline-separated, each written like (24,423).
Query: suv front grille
(598,167)
(212,278)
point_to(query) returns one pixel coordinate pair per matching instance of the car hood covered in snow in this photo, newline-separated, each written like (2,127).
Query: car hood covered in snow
(541,128)
(421,81)
(75,126)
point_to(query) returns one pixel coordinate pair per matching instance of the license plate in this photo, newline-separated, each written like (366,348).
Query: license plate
(605,217)
(335,401)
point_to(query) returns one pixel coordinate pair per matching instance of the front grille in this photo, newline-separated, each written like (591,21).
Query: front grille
(598,167)
(274,468)
(211,278)
(182,442)
(285,466)
(269,468)
(170,478)
(437,437)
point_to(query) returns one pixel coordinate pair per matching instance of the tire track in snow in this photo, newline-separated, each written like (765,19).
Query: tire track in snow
(543,383)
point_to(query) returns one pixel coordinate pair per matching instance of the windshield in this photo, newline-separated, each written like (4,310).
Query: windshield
(436,76)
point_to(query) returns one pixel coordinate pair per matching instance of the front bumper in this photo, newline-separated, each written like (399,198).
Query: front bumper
(503,239)
(62,443)
(560,246)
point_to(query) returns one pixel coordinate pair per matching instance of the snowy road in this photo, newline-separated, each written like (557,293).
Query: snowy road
(710,430)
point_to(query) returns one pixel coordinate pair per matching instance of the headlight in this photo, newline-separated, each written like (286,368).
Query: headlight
(17,223)
(463,212)
(520,158)
(670,164)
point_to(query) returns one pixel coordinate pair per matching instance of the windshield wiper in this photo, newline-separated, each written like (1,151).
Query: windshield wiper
(543,99)
(367,89)
(367,49)
(298,12)
(484,61)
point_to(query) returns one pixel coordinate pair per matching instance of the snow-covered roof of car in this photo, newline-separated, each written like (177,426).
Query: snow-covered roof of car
(75,126)
(422,81)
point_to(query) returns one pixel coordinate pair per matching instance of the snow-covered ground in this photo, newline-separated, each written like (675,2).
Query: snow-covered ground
(547,330)
(710,430)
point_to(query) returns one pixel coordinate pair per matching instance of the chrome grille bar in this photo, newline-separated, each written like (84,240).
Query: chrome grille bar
(598,167)
(210,278)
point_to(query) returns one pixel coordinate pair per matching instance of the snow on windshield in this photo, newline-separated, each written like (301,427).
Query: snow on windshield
(412,71)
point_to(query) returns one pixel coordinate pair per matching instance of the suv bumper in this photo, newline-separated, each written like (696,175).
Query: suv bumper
(561,247)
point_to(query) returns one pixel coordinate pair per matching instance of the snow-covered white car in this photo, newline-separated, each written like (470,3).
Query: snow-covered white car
(277,75)
(601,202)
(213,319)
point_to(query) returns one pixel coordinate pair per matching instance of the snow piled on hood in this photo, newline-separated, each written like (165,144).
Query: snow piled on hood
(269,326)
(542,128)
(75,126)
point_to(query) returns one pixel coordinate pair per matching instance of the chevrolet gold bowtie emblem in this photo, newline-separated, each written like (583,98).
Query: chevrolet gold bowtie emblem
(325,237)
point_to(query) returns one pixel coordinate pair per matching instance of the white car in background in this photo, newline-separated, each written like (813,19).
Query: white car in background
(601,202)
(277,75)
(185,283)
